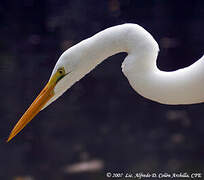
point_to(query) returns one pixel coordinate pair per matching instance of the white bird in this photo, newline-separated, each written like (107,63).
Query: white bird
(183,86)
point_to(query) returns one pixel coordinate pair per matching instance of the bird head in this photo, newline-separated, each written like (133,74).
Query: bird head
(50,92)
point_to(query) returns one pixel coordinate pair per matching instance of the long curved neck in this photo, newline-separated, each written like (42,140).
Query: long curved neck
(179,87)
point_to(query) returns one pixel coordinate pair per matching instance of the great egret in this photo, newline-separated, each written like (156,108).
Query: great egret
(184,86)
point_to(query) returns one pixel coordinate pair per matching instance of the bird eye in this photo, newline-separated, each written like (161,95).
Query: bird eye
(61,71)
(61,74)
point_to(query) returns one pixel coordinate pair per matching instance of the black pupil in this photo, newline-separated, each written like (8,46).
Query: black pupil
(60,71)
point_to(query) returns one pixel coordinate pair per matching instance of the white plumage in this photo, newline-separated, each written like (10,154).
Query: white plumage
(184,86)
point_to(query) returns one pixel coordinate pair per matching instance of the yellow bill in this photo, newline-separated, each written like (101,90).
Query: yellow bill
(45,95)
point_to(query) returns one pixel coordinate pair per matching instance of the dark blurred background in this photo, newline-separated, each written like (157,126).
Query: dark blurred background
(100,125)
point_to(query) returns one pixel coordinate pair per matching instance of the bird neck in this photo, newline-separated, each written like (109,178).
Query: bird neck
(183,86)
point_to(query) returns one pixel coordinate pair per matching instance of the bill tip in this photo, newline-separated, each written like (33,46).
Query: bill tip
(9,138)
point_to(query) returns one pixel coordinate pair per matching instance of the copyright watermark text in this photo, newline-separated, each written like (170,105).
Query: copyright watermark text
(159,175)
